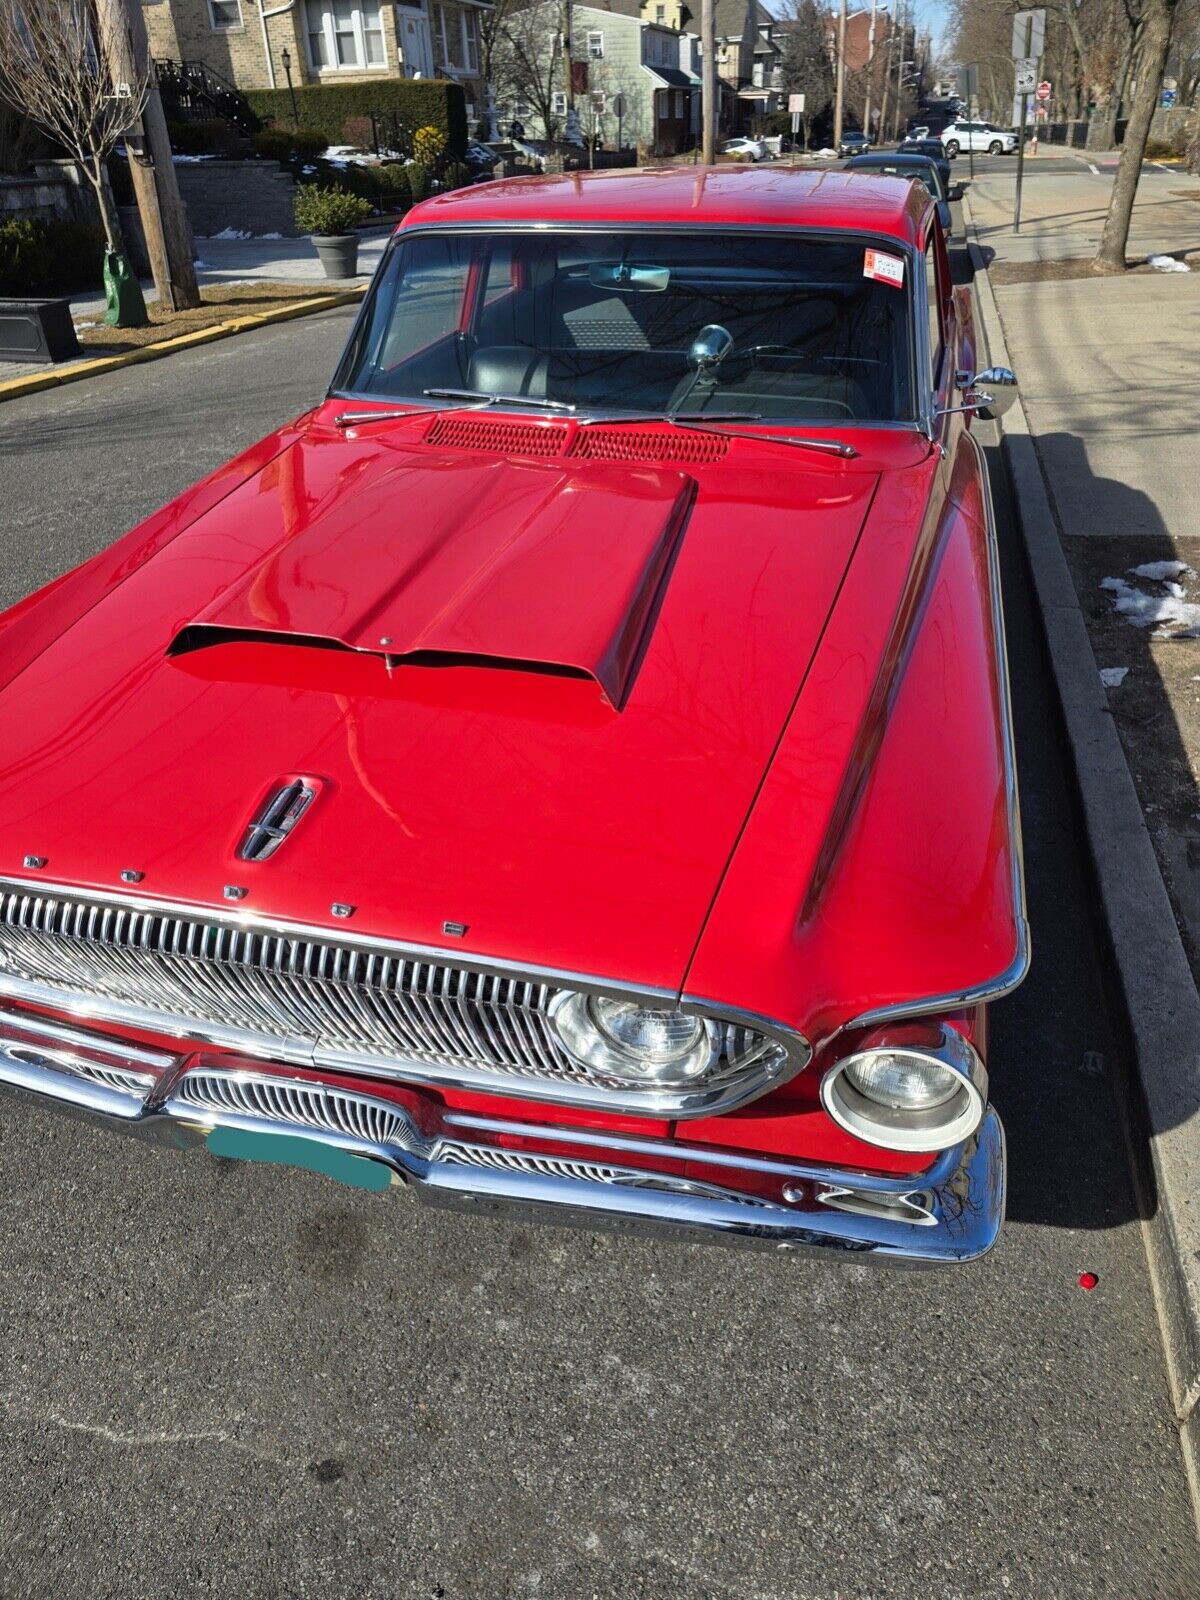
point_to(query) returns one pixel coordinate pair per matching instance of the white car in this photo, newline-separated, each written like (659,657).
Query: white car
(754,149)
(978,136)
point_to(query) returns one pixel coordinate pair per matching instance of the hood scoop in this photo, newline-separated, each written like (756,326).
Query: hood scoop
(528,567)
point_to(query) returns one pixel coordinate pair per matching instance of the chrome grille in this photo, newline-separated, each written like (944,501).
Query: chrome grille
(296,996)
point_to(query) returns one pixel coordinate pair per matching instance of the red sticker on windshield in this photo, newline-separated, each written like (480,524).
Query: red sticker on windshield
(883,268)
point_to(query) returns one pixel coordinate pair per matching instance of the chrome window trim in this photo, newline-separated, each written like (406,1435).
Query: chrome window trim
(1014,974)
(696,1101)
(888,241)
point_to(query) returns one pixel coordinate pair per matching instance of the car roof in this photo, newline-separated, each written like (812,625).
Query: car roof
(711,196)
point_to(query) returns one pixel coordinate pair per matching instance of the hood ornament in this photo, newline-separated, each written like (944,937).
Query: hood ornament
(278,815)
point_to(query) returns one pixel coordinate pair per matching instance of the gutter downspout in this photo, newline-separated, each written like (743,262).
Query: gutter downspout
(262,18)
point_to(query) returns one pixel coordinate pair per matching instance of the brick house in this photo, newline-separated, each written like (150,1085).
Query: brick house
(326,41)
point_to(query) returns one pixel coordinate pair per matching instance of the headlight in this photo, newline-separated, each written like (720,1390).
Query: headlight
(634,1043)
(915,1088)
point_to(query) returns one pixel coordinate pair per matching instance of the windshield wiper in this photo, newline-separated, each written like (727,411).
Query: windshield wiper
(351,419)
(497,399)
(697,422)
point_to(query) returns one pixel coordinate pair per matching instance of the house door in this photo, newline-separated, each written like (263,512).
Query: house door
(413,28)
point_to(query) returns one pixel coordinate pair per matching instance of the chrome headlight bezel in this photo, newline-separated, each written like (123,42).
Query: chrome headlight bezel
(918,1129)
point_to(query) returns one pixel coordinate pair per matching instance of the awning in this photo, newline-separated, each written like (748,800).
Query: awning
(672,77)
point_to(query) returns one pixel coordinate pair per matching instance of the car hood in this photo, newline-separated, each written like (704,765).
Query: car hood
(537,697)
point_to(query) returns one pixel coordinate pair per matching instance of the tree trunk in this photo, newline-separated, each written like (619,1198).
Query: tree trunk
(108,216)
(1102,130)
(1155,42)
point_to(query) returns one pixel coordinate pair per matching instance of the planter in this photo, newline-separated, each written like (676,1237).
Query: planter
(37,330)
(338,253)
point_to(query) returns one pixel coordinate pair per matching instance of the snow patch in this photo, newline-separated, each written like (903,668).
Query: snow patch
(270,236)
(230,233)
(1160,571)
(1167,264)
(1175,617)
(80,326)
(1113,677)
(183,161)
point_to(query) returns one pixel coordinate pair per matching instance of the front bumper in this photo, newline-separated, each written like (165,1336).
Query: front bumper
(578,1176)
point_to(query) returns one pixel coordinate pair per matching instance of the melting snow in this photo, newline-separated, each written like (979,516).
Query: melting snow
(1177,617)
(1113,677)
(1167,264)
(230,233)
(1162,570)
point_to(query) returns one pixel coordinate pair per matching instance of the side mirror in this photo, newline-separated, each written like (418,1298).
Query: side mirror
(988,394)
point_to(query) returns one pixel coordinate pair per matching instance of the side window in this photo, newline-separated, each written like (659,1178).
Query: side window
(935,307)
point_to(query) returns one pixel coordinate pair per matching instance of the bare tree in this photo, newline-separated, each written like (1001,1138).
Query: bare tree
(1156,18)
(805,65)
(56,66)
(527,63)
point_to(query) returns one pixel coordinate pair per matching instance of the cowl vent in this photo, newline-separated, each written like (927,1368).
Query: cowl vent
(506,438)
(648,444)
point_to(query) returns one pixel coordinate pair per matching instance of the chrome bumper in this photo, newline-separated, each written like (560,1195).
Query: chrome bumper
(576,1176)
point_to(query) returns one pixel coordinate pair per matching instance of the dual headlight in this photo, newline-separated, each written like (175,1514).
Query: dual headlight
(917,1088)
(636,1044)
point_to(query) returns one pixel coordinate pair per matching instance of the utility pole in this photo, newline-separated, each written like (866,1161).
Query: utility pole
(870,72)
(159,205)
(568,75)
(887,76)
(900,44)
(841,77)
(151,168)
(708,82)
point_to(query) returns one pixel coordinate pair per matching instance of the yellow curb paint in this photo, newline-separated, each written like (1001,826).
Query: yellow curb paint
(36,382)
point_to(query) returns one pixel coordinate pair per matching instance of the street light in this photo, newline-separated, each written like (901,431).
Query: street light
(287,72)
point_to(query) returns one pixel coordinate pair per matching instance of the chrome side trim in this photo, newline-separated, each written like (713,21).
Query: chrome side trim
(1017,970)
(952,1213)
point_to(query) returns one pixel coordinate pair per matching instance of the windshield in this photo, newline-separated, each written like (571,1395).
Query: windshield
(795,326)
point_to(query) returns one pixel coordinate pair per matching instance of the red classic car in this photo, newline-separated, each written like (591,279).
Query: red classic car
(568,770)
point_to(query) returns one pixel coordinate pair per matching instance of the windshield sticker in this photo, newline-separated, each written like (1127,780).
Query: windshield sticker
(883,268)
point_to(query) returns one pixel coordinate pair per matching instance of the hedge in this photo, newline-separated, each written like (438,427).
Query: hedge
(325,108)
(40,258)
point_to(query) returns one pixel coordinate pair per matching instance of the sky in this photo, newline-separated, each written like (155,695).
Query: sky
(931,15)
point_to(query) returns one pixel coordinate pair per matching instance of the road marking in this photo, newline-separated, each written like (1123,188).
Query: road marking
(1092,167)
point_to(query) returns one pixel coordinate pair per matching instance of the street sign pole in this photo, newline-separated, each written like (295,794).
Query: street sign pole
(1020,163)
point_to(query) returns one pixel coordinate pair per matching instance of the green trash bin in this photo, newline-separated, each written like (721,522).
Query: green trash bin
(125,306)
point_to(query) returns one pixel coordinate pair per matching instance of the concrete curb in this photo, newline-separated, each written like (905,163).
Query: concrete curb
(35,382)
(1157,991)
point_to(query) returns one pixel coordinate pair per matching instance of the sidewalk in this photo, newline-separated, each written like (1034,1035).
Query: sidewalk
(1106,475)
(265,260)
(1064,203)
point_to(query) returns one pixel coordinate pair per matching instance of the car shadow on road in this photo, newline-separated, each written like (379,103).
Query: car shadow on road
(1063,1074)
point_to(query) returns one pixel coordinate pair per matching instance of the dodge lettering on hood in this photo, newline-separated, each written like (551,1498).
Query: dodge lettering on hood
(568,771)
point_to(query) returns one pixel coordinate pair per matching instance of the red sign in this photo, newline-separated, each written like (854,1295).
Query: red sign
(1043,90)
(579,76)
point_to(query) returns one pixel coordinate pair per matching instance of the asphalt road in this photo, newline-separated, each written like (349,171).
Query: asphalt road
(223,1379)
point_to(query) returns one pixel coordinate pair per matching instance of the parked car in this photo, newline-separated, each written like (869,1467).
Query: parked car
(748,149)
(978,136)
(853,142)
(931,148)
(919,130)
(914,167)
(568,769)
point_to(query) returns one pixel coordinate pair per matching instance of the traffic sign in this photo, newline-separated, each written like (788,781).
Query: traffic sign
(1043,90)
(1027,75)
(796,103)
(1167,99)
(1029,34)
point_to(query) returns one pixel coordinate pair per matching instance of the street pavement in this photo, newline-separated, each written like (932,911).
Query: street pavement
(228,1379)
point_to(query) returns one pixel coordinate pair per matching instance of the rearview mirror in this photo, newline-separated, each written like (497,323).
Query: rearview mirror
(629,280)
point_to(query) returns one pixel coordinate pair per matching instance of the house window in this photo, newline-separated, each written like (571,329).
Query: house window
(757,74)
(596,46)
(225,13)
(599,102)
(344,35)
(558,103)
(660,13)
(454,38)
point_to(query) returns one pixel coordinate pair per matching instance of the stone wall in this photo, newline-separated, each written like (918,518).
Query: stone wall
(54,189)
(251,196)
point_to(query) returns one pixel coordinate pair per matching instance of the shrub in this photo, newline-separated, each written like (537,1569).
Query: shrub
(277,144)
(418,180)
(1159,149)
(455,175)
(324,108)
(394,187)
(329,211)
(358,132)
(428,144)
(39,258)
(200,138)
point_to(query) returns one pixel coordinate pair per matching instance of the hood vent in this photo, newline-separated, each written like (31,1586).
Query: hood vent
(505,438)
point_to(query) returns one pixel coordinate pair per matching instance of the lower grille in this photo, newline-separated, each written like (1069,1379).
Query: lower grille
(303,998)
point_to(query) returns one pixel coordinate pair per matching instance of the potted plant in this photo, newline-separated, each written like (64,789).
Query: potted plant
(329,215)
